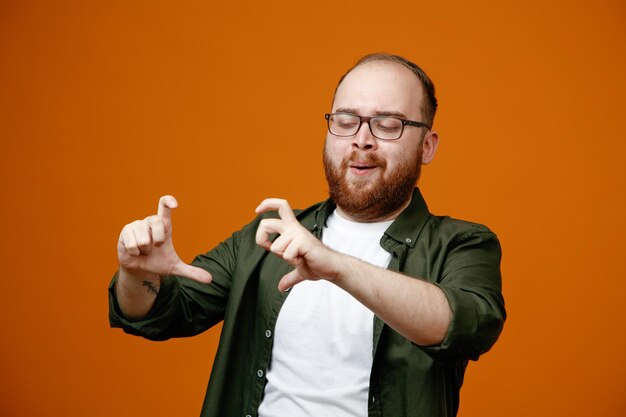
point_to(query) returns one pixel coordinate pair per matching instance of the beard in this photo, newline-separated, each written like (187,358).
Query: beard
(368,200)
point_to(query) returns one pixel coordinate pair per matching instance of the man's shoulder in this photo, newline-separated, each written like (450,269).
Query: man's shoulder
(448,222)
(455,229)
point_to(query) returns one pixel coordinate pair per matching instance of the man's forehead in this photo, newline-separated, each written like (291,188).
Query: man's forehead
(379,87)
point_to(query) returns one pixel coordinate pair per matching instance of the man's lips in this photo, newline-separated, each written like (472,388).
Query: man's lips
(362,165)
(361,168)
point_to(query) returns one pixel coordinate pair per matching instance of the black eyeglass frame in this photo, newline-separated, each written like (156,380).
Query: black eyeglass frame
(367,119)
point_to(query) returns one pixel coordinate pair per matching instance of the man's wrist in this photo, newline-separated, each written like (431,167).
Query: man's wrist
(138,276)
(341,267)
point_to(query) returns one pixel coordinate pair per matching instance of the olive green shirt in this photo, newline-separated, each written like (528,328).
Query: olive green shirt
(462,258)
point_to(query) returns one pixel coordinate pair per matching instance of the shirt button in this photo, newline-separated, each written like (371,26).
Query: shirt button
(408,240)
(259,373)
(268,333)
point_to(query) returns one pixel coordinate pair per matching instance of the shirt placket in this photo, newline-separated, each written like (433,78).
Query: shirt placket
(266,342)
(398,251)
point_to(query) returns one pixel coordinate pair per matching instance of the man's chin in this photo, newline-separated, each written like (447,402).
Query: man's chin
(359,186)
(370,179)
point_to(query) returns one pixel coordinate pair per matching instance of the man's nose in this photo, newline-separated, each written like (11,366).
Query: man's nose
(364,139)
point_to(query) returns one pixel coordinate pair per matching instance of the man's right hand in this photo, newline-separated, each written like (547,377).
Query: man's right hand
(145,249)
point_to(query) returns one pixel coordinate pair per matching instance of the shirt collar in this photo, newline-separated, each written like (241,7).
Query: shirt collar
(406,227)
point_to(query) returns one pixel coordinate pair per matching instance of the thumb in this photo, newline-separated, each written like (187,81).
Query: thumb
(166,204)
(192,272)
(289,280)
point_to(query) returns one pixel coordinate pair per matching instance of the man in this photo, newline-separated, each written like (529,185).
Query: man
(367,305)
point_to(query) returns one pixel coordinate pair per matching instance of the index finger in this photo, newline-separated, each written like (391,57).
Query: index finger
(166,204)
(277,204)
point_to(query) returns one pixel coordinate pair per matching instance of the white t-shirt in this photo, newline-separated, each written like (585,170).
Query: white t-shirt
(323,340)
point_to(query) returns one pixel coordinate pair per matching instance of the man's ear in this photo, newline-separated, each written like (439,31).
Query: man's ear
(429,147)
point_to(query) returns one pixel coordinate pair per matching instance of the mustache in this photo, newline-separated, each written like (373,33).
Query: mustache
(360,157)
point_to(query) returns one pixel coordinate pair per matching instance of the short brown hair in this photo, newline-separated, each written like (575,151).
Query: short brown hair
(429,99)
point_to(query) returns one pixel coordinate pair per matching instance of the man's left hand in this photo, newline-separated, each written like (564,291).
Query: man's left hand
(296,245)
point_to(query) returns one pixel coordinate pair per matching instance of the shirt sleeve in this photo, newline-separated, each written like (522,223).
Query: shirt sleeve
(183,306)
(472,283)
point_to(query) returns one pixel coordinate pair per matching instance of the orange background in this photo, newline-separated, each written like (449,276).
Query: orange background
(105,106)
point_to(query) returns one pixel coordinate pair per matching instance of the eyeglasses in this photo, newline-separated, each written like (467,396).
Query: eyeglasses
(381,127)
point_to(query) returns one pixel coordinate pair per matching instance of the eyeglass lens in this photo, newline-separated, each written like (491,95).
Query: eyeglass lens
(381,127)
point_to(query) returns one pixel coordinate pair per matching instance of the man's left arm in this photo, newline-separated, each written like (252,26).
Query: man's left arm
(417,309)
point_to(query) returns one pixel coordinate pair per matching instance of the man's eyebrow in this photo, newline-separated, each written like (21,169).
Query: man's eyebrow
(391,113)
(377,113)
(346,110)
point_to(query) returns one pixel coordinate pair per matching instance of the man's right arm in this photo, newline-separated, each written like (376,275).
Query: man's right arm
(145,254)
(136,295)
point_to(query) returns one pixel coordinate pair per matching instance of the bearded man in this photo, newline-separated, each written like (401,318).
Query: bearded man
(363,305)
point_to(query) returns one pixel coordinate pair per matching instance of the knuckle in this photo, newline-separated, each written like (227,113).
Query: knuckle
(130,226)
(132,250)
(137,225)
(276,247)
(154,220)
(125,238)
(143,243)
